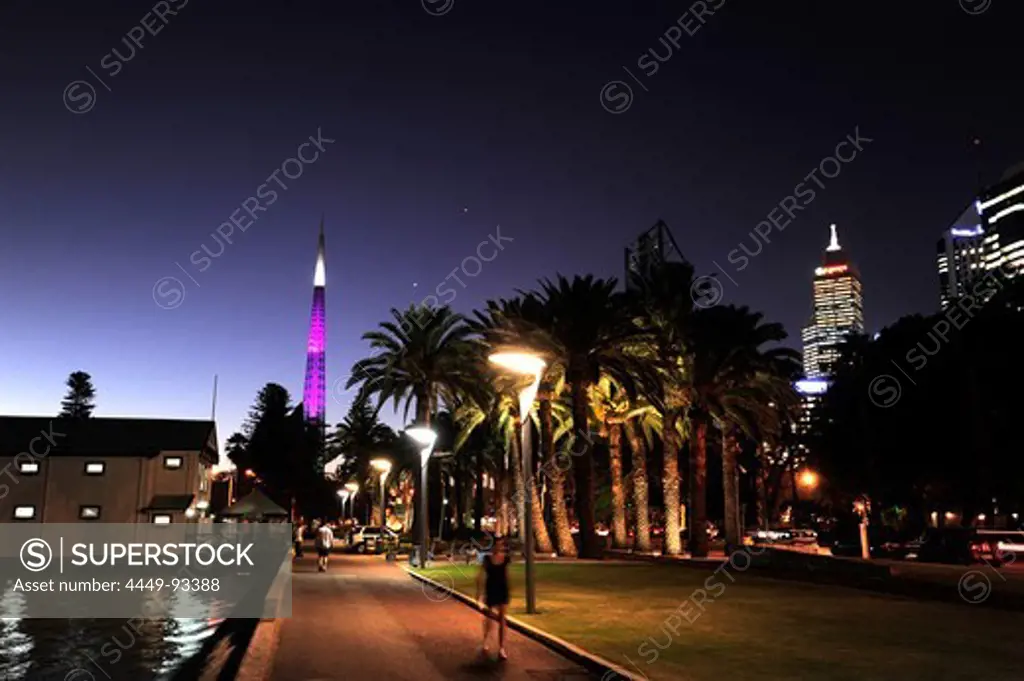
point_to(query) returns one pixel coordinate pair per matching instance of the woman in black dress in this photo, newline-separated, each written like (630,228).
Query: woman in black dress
(493,581)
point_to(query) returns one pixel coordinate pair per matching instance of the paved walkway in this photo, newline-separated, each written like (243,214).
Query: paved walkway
(367,619)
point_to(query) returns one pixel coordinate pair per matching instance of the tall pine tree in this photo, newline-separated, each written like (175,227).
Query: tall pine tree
(79,401)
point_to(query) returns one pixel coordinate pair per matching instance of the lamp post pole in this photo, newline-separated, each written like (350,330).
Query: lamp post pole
(425,437)
(424,518)
(527,472)
(383,524)
(532,365)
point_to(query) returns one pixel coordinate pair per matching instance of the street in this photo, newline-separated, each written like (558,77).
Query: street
(367,619)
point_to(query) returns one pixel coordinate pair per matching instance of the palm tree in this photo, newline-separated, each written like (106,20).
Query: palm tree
(520,322)
(731,383)
(586,328)
(639,426)
(424,355)
(359,438)
(664,306)
(555,424)
(612,410)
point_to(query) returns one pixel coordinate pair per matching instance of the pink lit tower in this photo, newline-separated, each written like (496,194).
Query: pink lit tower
(314,391)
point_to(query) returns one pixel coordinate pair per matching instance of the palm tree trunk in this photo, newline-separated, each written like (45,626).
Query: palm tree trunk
(639,475)
(478,501)
(583,469)
(619,537)
(698,488)
(556,479)
(541,538)
(670,487)
(762,490)
(730,486)
(458,491)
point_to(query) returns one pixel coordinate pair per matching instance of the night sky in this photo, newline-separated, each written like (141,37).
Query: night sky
(449,119)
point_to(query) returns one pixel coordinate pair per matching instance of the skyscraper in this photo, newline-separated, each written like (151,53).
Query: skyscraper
(314,390)
(960,255)
(838,310)
(989,235)
(1001,209)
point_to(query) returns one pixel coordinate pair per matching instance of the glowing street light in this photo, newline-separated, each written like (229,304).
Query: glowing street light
(343,496)
(426,438)
(525,364)
(353,489)
(808,479)
(384,467)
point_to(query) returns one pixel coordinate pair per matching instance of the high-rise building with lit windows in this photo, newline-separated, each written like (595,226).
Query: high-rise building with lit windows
(1001,211)
(960,256)
(989,235)
(838,310)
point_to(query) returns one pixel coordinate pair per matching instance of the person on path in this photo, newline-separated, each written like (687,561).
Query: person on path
(324,542)
(492,580)
(300,529)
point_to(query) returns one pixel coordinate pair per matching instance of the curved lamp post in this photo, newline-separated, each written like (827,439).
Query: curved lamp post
(353,489)
(384,467)
(425,437)
(525,364)
(343,494)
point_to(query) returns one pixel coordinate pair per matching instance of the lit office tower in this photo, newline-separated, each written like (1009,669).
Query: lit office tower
(960,255)
(314,390)
(1001,209)
(838,310)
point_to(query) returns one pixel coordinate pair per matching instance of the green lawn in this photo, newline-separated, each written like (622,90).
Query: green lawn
(759,628)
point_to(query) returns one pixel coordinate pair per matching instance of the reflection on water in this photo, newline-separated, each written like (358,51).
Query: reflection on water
(136,649)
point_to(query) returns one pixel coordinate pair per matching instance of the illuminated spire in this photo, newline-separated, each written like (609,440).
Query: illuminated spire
(833,244)
(314,390)
(320,273)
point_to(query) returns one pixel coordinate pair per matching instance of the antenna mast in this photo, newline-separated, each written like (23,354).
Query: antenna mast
(213,409)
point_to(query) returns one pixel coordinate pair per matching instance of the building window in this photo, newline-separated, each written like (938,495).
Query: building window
(28,468)
(24,512)
(95,468)
(161,519)
(89,512)
(172,462)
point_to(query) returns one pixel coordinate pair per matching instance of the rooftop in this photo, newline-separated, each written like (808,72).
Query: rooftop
(101,436)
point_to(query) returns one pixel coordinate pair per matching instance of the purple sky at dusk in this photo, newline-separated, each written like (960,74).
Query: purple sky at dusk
(492,107)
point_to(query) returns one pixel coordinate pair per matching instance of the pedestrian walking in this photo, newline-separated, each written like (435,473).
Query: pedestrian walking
(492,580)
(300,529)
(324,542)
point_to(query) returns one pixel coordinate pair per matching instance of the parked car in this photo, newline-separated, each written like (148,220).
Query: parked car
(883,542)
(997,547)
(369,539)
(951,545)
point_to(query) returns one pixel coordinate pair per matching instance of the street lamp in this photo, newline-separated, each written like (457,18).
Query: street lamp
(425,437)
(808,479)
(343,495)
(526,364)
(384,466)
(353,488)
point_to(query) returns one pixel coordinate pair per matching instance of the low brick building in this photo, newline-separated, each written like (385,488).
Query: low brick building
(109,470)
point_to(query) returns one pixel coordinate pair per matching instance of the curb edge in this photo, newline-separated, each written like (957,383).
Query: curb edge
(589,661)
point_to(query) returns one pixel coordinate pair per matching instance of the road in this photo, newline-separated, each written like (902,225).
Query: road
(367,619)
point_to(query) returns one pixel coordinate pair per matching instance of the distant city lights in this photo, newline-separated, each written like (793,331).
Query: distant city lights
(831,269)
(974,231)
(812,386)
